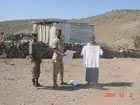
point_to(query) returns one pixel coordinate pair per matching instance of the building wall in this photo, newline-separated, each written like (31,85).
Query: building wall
(71,33)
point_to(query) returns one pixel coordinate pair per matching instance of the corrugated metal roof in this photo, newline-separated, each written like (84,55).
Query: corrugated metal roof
(50,21)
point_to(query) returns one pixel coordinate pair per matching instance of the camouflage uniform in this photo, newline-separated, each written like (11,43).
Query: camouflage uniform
(36,54)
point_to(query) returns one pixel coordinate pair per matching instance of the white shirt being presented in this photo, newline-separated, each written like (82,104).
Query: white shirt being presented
(91,54)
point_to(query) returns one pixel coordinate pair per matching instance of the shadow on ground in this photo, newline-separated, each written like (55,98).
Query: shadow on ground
(117,84)
(101,86)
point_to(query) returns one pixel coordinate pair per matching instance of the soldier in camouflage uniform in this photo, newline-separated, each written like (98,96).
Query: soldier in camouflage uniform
(36,57)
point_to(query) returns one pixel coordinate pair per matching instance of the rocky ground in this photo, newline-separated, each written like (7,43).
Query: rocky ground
(119,84)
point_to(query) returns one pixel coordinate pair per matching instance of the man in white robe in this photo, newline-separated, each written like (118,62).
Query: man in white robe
(91,53)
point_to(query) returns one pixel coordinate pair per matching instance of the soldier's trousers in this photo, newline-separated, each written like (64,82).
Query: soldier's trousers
(36,69)
(58,67)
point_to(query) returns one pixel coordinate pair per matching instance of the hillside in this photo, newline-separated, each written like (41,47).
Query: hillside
(114,28)
(16,26)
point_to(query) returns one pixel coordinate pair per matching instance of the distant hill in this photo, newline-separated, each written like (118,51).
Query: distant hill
(16,26)
(114,28)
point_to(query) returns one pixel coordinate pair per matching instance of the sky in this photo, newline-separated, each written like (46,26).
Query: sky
(61,9)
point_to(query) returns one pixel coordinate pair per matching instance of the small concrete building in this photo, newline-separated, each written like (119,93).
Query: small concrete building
(72,32)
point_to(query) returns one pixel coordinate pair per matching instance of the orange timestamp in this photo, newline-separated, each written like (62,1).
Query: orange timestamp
(120,94)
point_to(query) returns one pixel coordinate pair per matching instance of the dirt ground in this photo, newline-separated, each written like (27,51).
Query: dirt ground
(119,84)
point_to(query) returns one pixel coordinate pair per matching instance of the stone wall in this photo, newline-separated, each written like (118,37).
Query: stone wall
(13,50)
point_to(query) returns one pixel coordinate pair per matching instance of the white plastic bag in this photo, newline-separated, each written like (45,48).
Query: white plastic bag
(74,83)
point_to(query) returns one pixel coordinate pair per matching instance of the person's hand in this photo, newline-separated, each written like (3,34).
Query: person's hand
(63,54)
(31,58)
